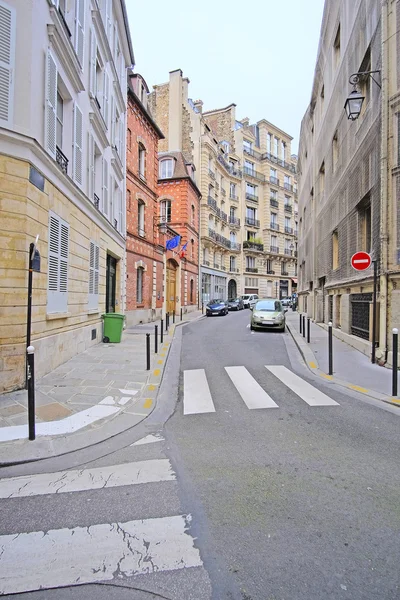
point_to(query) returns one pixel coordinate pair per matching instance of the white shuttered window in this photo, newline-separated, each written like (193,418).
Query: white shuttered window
(78,143)
(94,255)
(106,91)
(7,60)
(91,174)
(80,29)
(51,105)
(57,289)
(105,187)
(92,64)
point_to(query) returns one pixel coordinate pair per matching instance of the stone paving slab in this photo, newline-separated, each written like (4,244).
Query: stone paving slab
(87,381)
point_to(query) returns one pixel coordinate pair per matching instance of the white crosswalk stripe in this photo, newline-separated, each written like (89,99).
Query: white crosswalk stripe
(251,392)
(305,390)
(50,557)
(197,397)
(196,393)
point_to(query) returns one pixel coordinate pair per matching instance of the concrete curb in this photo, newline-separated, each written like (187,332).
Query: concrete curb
(312,364)
(25,451)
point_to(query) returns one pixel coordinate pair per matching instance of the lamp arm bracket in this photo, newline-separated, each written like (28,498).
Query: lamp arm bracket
(355,77)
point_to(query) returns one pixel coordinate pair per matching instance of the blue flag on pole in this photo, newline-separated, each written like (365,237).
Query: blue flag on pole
(173,243)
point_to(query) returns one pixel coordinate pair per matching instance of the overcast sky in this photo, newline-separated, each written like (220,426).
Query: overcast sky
(260,54)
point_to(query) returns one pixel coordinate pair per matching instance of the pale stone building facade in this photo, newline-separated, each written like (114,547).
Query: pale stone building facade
(247,178)
(62,175)
(348,176)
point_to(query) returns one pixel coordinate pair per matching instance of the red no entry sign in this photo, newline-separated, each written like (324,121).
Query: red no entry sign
(360,261)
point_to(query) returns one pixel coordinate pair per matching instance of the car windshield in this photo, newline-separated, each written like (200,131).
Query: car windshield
(215,301)
(268,305)
(245,297)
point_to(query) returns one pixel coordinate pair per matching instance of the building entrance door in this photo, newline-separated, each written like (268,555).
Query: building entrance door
(171,287)
(232,290)
(111,272)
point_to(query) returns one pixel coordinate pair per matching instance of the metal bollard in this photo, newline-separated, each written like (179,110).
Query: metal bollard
(181,314)
(394,360)
(330,348)
(31,391)
(162,331)
(308,330)
(156,339)
(301,320)
(148,351)
(166,322)
(202,308)
(173,317)
(304,326)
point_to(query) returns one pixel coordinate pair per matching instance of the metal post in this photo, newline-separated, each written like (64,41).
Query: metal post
(202,307)
(29,308)
(308,330)
(304,325)
(173,317)
(181,314)
(330,348)
(156,339)
(394,361)
(162,331)
(30,354)
(301,320)
(166,322)
(374,312)
(148,351)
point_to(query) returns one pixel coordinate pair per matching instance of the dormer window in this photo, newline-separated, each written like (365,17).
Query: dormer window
(166,168)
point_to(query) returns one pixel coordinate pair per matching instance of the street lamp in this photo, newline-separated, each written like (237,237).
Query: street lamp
(354,102)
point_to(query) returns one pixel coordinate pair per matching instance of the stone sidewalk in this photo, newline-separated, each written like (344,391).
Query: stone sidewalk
(351,368)
(108,383)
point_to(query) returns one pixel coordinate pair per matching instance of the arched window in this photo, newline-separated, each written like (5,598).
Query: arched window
(191,291)
(142,160)
(139,285)
(193,214)
(141,221)
(166,168)
(165,211)
(233,237)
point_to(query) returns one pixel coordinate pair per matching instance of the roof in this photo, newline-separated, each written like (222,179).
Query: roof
(144,110)
(181,171)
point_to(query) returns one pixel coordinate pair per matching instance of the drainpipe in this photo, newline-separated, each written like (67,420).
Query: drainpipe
(382,351)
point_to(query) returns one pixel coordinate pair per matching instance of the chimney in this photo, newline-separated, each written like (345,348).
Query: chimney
(175,111)
(198,104)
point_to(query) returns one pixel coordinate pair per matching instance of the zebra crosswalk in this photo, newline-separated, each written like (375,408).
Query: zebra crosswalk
(197,396)
(89,551)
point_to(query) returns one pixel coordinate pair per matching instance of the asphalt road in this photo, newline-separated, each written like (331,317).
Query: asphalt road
(299,502)
(286,503)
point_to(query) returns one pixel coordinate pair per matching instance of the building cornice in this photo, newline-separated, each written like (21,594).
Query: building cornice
(64,50)
(145,113)
(98,123)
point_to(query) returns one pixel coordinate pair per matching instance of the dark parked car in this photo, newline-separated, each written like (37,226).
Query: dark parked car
(216,307)
(236,304)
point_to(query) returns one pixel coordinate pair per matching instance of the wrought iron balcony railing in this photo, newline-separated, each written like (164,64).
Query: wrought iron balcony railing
(96,201)
(212,202)
(288,252)
(274,180)
(251,197)
(251,270)
(61,160)
(234,221)
(288,208)
(253,173)
(274,249)
(274,202)
(289,230)
(249,245)
(252,222)
(274,226)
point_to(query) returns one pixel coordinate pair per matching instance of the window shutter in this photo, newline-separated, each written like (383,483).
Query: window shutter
(92,65)
(93,275)
(116,132)
(51,105)
(112,120)
(78,144)
(80,29)
(122,137)
(120,220)
(112,192)
(58,253)
(91,167)
(7,58)
(106,85)
(105,187)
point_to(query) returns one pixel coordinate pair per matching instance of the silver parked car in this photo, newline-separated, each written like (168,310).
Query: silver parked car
(268,313)
(236,304)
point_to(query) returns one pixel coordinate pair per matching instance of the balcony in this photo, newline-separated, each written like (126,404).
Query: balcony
(216,266)
(251,197)
(288,187)
(234,221)
(212,202)
(224,216)
(274,180)
(252,152)
(289,230)
(274,226)
(278,161)
(252,222)
(206,262)
(223,241)
(96,201)
(211,174)
(61,160)
(285,273)
(253,173)
(231,170)
(288,208)
(288,252)
(273,202)
(249,245)
(235,246)
(274,249)
(223,268)
(233,197)
(270,272)
(233,270)
(251,270)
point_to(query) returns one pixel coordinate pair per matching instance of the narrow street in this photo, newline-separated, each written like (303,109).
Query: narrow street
(270,494)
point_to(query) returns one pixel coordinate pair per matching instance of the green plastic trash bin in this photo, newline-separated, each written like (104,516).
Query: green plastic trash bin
(113,325)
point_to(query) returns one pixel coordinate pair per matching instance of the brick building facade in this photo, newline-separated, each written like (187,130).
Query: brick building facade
(144,252)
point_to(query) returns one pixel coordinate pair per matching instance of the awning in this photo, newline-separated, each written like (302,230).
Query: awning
(294,280)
